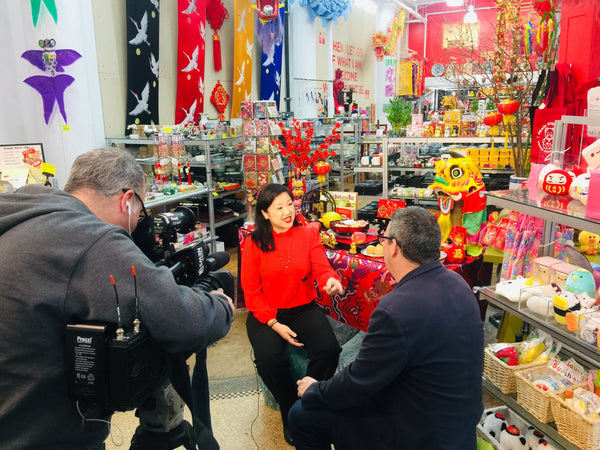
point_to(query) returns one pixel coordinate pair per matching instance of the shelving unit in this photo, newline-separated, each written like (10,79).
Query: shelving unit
(585,353)
(207,163)
(346,165)
(388,143)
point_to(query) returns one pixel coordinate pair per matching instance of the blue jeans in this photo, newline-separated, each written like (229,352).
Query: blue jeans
(311,429)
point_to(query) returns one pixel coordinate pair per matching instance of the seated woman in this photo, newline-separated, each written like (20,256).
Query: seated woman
(280,261)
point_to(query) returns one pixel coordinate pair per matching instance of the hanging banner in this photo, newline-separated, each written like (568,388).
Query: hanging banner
(270,35)
(243,46)
(189,102)
(142,62)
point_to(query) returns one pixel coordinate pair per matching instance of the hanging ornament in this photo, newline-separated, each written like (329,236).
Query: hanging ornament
(216,13)
(219,98)
(321,168)
(267,9)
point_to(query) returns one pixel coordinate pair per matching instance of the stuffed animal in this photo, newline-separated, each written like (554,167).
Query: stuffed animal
(511,289)
(579,188)
(512,439)
(541,305)
(563,303)
(580,281)
(590,242)
(536,440)
(493,424)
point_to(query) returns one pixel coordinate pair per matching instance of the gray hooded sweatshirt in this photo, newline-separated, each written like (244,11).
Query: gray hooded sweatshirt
(56,258)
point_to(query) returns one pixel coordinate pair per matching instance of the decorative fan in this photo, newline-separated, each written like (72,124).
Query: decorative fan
(315,203)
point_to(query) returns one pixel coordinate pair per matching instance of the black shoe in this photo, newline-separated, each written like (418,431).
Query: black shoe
(288,436)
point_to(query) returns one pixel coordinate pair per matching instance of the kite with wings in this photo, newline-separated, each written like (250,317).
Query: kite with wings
(51,86)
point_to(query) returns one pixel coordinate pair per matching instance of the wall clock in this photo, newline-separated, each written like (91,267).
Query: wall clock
(437,70)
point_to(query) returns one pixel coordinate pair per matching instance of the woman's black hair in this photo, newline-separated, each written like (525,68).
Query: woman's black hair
(263,230)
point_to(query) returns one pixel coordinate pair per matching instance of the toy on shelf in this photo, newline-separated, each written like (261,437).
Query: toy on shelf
(590,242)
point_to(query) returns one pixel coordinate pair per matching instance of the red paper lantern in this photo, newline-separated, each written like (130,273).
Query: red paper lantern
(492,119)
(321,168)
(508,106)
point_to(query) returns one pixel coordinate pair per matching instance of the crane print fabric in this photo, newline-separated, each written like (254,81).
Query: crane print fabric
(242,55)
(142,61)
(270,34)
(189,103)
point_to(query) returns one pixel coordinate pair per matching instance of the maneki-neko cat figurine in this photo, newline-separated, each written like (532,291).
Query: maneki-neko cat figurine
(461,195)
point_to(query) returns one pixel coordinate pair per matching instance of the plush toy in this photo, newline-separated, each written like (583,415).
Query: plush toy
(511,289)
(536,440)
(493,423)
(563,303)
(590,242)
(512,439)
(580,281)
(579,188)
(591,154)
(541,305)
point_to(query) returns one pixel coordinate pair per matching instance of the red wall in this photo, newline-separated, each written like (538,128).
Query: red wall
(580,39)
(434,52)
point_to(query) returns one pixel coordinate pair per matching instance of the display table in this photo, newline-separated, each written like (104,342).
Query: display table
(365,280)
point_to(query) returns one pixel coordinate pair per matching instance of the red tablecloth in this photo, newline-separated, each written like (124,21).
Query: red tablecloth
(365,281)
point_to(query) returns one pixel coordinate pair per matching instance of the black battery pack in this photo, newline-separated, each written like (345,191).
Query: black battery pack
(109,373)
(87,357)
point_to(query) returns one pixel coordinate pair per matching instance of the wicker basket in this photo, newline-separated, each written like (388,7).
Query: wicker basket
(533,399)
(573,425)
(502,375)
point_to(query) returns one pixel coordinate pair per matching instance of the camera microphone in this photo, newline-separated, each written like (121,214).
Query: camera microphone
(217,260)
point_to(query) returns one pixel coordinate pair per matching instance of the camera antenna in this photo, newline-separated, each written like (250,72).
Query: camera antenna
(136,321)
(120,331)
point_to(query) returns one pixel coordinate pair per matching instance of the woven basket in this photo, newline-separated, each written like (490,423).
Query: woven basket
(532,398)
(573,425)
(502,375)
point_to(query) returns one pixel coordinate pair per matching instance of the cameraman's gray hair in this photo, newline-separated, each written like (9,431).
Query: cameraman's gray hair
(418,234)
(106,171)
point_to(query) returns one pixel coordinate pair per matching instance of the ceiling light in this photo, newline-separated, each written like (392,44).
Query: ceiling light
(471,15)
(454,2)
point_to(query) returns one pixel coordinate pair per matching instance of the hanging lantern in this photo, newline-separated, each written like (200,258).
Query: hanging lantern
(492,120)
(508,106)
(321,168)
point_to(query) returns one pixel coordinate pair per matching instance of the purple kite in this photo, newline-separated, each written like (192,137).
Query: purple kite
(51,86)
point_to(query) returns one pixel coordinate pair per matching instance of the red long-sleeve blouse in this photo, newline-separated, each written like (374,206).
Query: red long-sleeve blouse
(268,286)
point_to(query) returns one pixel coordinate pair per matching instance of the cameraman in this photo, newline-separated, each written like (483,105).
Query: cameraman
(57,253)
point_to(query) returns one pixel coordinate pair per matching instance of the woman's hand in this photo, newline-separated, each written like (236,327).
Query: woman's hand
(333,286)
(287,334)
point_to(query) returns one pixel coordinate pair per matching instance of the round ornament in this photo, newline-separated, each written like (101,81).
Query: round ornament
(437,70)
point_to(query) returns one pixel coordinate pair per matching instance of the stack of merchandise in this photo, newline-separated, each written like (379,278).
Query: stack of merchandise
(262,161)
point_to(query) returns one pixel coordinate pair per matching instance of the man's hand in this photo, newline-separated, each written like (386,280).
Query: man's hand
(220,291)
(304,384)
(333,286)
(287,334)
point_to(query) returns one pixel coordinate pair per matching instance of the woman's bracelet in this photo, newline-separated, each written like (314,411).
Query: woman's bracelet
(273,323)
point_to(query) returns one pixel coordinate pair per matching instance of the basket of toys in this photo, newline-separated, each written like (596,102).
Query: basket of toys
(536,385)
(577,417)
(501,361)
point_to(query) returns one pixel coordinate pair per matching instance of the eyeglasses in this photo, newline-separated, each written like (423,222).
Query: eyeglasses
(382,238)
(145,213)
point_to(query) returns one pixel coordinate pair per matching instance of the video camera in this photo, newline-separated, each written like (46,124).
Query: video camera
(114,369)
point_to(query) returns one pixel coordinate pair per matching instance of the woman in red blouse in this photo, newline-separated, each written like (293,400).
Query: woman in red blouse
(280,262)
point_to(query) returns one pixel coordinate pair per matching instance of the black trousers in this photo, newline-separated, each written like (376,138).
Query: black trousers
(314,331)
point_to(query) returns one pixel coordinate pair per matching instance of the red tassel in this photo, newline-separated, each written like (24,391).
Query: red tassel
(217,52)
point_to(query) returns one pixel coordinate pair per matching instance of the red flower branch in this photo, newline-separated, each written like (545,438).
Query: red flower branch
(298,145)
